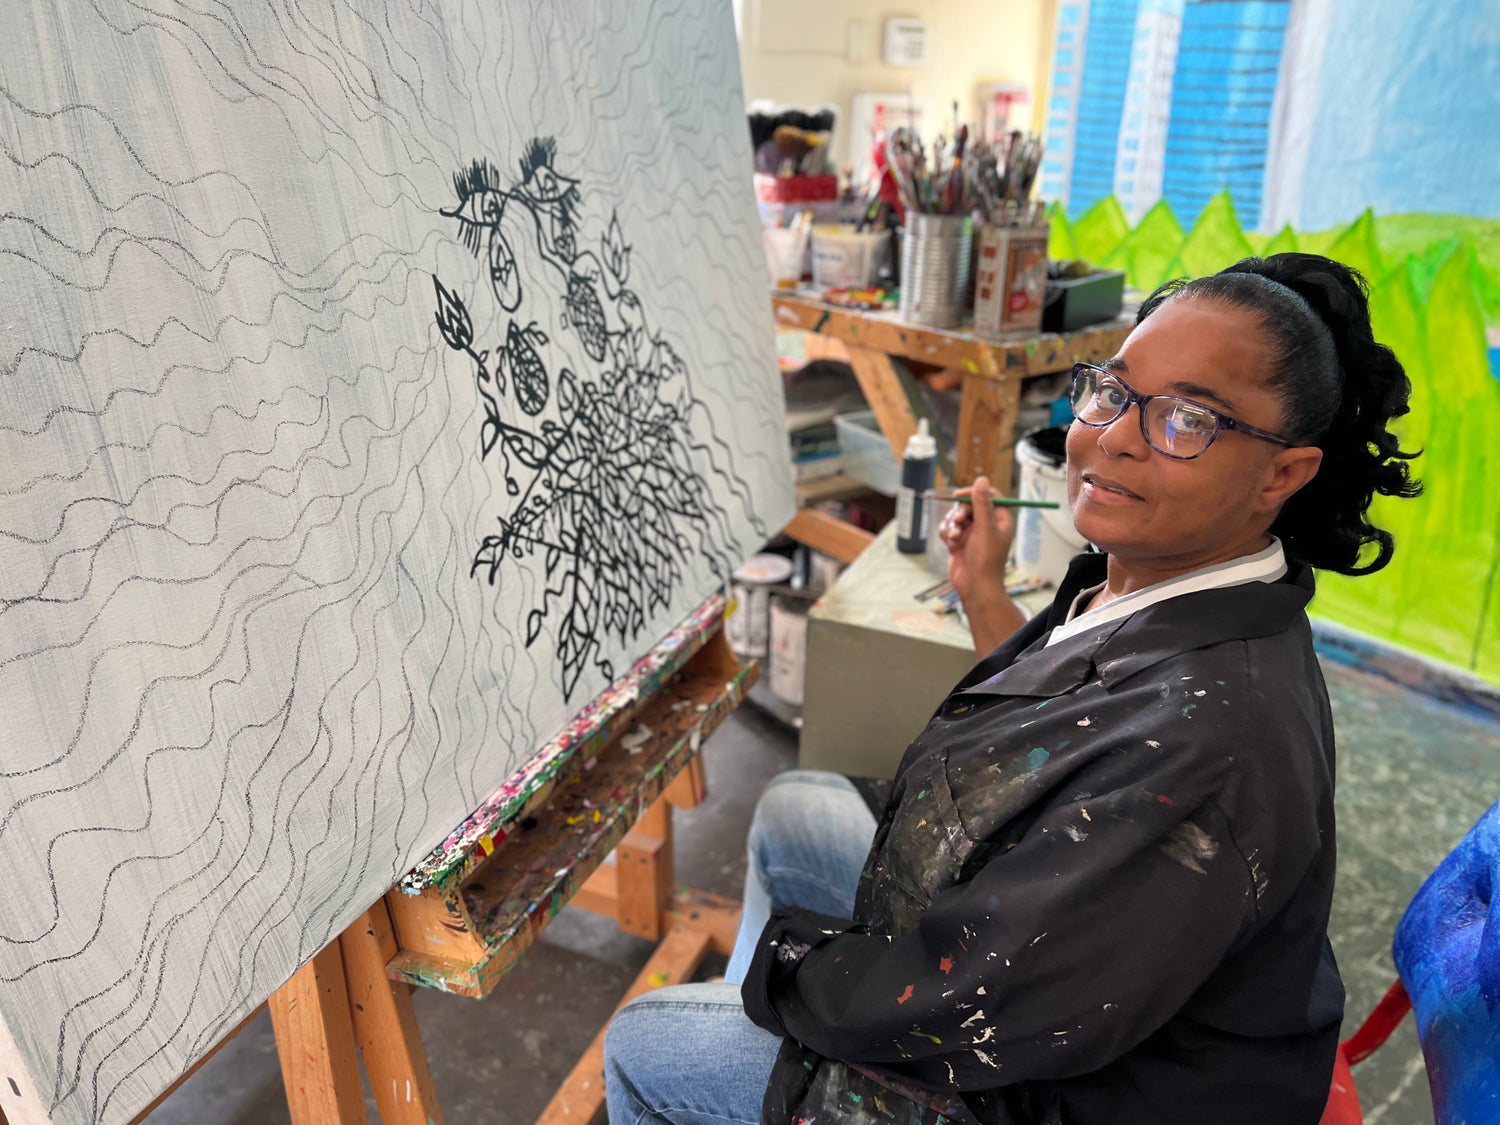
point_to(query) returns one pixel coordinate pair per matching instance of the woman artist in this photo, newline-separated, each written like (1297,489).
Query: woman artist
(1099,891)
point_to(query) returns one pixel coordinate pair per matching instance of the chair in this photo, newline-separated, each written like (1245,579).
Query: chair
(1447,952)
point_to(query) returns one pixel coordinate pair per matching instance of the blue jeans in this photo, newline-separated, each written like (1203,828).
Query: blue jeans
(688,1055)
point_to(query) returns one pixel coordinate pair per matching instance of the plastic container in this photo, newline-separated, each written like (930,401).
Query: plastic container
(867,455)
(845,258)
(786,249)
(918,471)
(1077,302)
(796,189)
(935,255)
(748,628)
(1046,540)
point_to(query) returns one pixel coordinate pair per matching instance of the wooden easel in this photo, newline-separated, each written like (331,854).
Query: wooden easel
(353,999)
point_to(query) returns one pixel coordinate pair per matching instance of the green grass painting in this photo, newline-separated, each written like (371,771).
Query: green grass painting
(1434,285)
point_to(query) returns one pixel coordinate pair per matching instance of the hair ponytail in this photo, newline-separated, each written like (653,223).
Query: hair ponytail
(1339,391)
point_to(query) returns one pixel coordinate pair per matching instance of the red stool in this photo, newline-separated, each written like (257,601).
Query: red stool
(1343,1099)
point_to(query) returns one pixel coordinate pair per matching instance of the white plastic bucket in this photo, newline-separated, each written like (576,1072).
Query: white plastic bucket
(748,628)
(1045,538)
(788,647)
(845,258)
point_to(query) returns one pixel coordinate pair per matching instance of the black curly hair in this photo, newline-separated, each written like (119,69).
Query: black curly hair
(1339,390)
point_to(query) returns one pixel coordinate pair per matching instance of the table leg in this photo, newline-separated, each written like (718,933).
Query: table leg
(315,1039)
(892,391)
(816,346)
(987,430)
(889,396)
(385,1024)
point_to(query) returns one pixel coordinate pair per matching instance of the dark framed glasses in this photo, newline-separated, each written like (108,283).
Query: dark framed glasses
(1174,427)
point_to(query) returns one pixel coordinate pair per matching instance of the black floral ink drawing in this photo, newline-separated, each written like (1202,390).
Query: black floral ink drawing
(600,466)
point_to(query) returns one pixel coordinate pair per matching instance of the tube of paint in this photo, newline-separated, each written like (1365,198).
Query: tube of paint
(918,469)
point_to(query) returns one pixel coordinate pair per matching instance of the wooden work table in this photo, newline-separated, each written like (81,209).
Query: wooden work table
(882,350)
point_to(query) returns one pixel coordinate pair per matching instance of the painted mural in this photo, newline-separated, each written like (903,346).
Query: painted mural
(1306,111)
(1185,134)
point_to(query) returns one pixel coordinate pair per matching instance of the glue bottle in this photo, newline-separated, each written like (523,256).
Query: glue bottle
(918,470)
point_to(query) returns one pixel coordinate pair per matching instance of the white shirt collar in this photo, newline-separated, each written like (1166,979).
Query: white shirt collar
(1267,565)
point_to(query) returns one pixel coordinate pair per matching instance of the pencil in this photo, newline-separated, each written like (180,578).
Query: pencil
(996,501)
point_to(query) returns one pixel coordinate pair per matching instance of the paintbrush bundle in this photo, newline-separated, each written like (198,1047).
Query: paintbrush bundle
(997,180)
(929,188)
(800,151)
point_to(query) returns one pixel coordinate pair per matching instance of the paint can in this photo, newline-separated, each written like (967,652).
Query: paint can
(1011,280)
(748,628)
(1046,540)
(788,646)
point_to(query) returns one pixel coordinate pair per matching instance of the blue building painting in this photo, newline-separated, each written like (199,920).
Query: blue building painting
(1108,30)
(1307,111)
(1224,88)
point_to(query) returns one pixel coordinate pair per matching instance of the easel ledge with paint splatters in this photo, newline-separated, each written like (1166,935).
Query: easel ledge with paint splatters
(462,918)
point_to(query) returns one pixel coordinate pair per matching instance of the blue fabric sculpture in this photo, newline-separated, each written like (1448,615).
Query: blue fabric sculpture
(1447,950)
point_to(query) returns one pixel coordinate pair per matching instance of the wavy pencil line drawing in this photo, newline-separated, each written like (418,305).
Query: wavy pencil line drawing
(290,584)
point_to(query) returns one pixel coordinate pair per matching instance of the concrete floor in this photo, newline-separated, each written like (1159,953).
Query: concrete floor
(1413,776)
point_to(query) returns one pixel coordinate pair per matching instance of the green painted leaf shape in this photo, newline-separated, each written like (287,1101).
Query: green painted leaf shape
(1152,247)
(1356,248)
(1060,244)
(1100,230)
(1216,240)
(1285,242)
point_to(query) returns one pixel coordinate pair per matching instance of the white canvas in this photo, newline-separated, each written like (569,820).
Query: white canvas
(376,382)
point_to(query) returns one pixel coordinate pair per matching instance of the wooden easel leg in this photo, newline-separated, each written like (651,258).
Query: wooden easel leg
(689,789)
(385,1024)
(643,900)
(643,861)
(315,1039)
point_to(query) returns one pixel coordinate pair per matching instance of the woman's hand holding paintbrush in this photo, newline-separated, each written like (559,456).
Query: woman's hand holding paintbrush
(978,545)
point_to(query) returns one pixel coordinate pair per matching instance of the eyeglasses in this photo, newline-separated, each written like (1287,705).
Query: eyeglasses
(1175,427)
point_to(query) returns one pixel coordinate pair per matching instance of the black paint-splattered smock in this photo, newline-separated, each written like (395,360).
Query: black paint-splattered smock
(1099,892)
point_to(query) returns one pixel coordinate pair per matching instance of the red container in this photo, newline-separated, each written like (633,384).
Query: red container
(796,189)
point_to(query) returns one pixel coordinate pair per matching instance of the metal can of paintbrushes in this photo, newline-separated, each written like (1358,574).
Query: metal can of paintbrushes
(935,253)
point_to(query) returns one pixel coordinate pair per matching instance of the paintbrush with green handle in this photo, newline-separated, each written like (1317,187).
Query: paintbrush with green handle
(995,501)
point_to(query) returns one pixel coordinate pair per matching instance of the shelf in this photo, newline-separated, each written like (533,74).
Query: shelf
(463,939)
(840,486)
